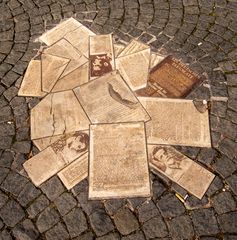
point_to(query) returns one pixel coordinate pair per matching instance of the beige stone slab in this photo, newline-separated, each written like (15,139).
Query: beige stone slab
(43,143)
(52,69)
(75,172)
(108,99)
(101,55)
(180,169)
(43,166)
(118,164)
(118,48)
(55,157)
(79,38)
(133,47)
(74,79)
(31,83)
(64,49)
(176,122)
(58,32)
(58,113)
(134,68)
(156,59)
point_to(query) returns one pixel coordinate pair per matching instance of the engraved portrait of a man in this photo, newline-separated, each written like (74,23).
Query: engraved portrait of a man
(71,146)
(163,160)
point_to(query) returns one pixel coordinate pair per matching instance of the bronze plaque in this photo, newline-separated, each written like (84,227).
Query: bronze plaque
(170,78)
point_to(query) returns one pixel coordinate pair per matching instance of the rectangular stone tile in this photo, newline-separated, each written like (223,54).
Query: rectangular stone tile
(57,156)
(79,38)
(58,113)
(64,49)
(176,122)
(31,83)
(75,172)
(101,55)
(170,78)
(134,68)
(133,47)
(180,169)
(58,32)
(118,165)
(108,99)
(43,143)
(52,69)
(74,79)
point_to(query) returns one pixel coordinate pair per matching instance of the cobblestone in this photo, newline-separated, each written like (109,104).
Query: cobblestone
(200,32)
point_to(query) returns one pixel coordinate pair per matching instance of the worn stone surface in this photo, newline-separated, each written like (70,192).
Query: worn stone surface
(200,33)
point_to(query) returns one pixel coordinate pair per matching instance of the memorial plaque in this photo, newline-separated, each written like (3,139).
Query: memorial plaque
(43,143)
(57,156)
(58,32)
(64,49)
(180,169)
(118,48)
(74,79)
(176,122)
(52,69)
(118,166)
(155,59)
(101,55)
(79,38)
(134,65)
(31,83)
(75,172)
(58,113)
(108,99)
(170,78)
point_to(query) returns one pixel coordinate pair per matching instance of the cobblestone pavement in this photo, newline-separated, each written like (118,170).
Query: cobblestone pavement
(200,32)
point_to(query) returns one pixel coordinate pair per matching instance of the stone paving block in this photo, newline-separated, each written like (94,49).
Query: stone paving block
(125,221)
(54,118)
(25,231)
(181,227)
(232,182)
(65,203)
(100,222)
(147,211)
(112,205)
(181,114)
(110,236)
(170,206)
(52,188)
(204,221)
(123,179)
(228,223)
(112,100)
(155,228)
(14,183)
(47,219)
(37,206)
(12,213)
(75,222)
(57,232)
(3,199)
(224,202)
(28,194)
